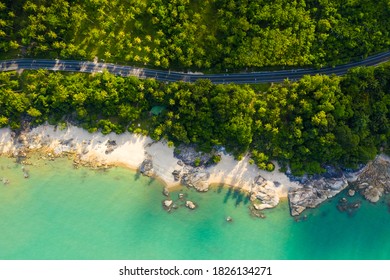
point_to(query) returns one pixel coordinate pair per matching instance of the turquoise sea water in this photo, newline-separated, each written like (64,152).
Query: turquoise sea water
(66,213)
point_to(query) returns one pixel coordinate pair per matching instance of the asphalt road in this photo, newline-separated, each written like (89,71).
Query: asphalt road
(171,76)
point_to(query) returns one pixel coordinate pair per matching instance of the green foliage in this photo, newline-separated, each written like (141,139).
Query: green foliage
(216,158)
(213,34)
(308,123)
(197,162)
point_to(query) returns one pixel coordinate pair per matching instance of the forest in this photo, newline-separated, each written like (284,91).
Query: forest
(305,124)
(207,35)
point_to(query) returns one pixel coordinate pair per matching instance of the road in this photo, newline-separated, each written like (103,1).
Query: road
(171,76)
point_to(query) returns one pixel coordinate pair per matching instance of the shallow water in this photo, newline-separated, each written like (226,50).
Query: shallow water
(66,213)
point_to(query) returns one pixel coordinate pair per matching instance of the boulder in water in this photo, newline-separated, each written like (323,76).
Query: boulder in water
(168,204)
(190,205)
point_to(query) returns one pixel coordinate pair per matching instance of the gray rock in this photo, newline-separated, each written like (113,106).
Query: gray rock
(197,178)
(111,146)
(176,175)
(374,181)
(109,150)
(165,191)
(263,194)
(66,142)
(189,156)
(146,167)
(313,193)
(351,192)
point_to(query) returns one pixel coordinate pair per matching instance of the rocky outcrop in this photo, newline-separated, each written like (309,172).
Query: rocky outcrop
(263,194)
(188,155)
(146,167)
(197,178)
(314,192)
(374,181)
(176,175)
(111,146)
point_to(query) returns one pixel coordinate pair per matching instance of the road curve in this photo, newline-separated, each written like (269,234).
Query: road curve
(171,76)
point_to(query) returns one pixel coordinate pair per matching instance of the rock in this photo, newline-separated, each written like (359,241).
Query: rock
(181,196)
(176,175)
(229,219)
(297,210)
(109,150)
(22,139)
(167,203)
(146,167)
(313,193)
(180,163)
(111,146)
(374,181)
(111,143)
(190,205)
(197,178)
(351,192)
(66,142)
(350,208)
(263,194)
(188,155)
(165,191)
(373,194)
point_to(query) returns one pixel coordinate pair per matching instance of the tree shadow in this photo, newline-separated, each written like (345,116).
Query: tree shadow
(238,195)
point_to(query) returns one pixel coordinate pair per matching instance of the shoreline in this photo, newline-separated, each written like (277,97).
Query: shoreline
(130,151)
(157,160)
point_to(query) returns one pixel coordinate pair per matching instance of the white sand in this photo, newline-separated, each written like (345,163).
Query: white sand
(242,174)
(131,150)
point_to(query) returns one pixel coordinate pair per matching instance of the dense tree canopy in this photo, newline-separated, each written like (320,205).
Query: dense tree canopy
(188,34)
(308,123)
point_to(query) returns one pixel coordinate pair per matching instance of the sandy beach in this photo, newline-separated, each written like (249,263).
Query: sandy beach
(130,150)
